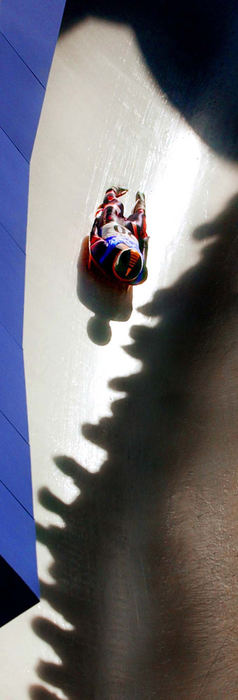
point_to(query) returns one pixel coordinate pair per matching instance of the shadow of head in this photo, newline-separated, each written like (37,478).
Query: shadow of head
(223,227)
(107,299)
(99,330)
(40,692)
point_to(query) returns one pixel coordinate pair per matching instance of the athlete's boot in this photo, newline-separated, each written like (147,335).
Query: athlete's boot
(140,202)
(119,191)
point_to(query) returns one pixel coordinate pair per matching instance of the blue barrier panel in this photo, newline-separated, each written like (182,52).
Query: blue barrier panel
(14,178)
(32,27)
(21,98)
(17,539)
(12,382)
(16,596)
(12,278)
(28,34)
(15,464)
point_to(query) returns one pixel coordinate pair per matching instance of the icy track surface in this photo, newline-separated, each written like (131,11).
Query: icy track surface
(104,121)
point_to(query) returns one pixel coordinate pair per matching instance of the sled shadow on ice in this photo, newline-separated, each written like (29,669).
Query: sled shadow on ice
(108,300)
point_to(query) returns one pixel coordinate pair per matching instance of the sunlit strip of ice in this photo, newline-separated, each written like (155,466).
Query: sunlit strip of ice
(169,201)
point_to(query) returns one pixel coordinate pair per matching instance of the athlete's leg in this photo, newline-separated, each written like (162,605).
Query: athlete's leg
(136,222)
(111,209)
